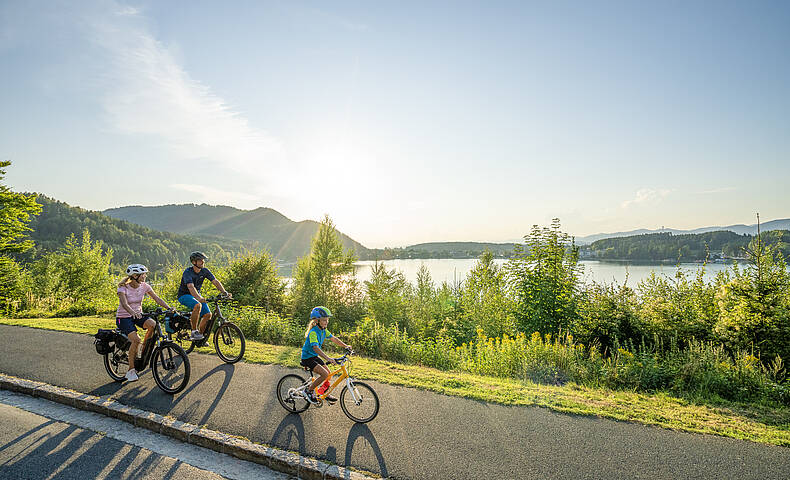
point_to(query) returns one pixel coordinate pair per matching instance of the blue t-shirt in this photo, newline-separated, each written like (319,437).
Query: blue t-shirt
(190,276)
(316,336)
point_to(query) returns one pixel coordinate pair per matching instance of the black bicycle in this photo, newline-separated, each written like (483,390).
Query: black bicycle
(168,361)
(229,341)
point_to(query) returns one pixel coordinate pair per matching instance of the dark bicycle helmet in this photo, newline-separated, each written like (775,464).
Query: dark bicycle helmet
(194,256)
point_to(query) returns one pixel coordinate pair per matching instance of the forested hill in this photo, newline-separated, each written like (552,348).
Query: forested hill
(657,247)
(130,243)
(286,239)
(445,250)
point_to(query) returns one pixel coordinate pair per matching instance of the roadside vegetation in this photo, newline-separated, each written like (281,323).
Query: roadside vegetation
(676,352)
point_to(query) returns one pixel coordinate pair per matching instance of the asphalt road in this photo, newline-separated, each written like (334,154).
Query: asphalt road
(417,434)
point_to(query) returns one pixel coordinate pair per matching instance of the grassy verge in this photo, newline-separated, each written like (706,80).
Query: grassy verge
(760,423)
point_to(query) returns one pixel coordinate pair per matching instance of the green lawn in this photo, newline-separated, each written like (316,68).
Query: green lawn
(765,424)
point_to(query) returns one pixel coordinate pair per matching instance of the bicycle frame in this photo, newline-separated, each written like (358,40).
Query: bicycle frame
(344,375)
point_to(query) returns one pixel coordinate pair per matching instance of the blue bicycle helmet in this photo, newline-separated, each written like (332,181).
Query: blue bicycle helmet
(320,312)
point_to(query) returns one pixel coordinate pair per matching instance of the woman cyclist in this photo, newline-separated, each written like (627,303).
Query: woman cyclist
(130,311)
(312,355)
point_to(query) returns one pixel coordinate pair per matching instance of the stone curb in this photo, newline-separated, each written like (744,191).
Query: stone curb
(280,460)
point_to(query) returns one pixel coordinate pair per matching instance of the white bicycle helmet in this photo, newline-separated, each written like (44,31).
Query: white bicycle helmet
(136,268)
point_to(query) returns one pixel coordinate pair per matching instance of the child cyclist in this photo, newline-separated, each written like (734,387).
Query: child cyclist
(312,355)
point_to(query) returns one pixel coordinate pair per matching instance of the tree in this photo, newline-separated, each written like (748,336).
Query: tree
(76,279)
(388,294)
(16,210)
(15,214)
(253,280)
(754,305)
(484,300)
(326,277)
(544,280)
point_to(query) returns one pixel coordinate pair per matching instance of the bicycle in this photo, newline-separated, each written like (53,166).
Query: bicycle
(357,399)
(229,341)
(165,358)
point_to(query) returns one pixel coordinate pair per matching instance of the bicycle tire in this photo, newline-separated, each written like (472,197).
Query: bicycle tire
(112,365)
(166,358)
(224,337)
(368,397)
(293,405)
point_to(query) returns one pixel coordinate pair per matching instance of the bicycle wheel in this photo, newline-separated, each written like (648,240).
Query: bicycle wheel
(293,402)
(365,407)
(113,362)
(170,367)
(229,342)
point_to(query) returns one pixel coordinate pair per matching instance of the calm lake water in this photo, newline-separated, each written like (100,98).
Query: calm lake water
(450,270)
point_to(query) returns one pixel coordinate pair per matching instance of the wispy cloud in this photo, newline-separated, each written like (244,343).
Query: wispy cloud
(148,92)
(645,195)
(718,190)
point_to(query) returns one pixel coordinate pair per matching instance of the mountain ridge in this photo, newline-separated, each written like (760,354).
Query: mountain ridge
(740,228)
(286,239)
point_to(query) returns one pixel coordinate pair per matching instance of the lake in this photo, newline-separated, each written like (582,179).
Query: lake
(450,270)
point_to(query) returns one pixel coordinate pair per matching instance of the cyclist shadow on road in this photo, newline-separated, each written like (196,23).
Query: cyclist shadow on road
(291,428)
(361,430)
(228,370)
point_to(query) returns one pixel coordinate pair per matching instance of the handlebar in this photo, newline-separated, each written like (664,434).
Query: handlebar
(218,298)
(342,359)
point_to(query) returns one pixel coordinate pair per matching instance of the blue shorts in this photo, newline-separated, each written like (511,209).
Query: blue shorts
(189,301)
(127,324)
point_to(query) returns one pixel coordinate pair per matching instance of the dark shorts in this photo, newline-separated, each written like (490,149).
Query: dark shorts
(312,362)
(127,325)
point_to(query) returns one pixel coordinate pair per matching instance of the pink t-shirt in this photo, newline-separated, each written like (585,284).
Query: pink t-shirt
(134,296)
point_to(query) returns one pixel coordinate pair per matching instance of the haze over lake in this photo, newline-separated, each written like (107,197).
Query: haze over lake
(450,270)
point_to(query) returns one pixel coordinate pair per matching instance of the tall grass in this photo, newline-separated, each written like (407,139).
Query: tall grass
(691,369)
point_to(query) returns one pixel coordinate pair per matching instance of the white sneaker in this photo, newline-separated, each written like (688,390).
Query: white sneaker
(196,336)
(131,376)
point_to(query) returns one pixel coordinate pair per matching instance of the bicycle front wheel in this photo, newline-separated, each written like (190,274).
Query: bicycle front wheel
(113,362)
(229,342)
(289,398)
(361,405)
(170,367)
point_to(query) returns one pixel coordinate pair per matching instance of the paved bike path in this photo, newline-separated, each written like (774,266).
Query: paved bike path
(417,434)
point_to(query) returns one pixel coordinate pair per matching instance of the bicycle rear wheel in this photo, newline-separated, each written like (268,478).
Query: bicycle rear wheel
(363,405)
(229,343)
(113,362)
(291,401)
(170,367)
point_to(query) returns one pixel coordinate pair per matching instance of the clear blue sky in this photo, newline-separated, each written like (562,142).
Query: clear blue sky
(406,121)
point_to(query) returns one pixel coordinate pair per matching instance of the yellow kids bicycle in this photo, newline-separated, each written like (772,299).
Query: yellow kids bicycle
(358,400)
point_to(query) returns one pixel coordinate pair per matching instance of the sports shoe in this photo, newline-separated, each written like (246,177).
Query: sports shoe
(330,399)
(310,397)
(196,336)
(131,376)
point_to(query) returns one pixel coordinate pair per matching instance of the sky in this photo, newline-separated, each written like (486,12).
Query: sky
(406,122)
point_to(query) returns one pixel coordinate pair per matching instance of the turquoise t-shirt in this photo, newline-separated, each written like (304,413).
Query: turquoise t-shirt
(316,336)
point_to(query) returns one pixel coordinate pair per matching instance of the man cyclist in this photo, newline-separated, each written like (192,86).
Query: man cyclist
(189,293)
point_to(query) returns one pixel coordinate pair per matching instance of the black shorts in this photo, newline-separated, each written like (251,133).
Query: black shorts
(312,362)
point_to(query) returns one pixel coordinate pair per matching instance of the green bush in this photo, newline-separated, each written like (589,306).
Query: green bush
(76,279)
(253,280)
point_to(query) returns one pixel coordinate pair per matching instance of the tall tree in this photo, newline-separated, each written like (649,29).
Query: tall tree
(544,278)
(326,277)
(16,210)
